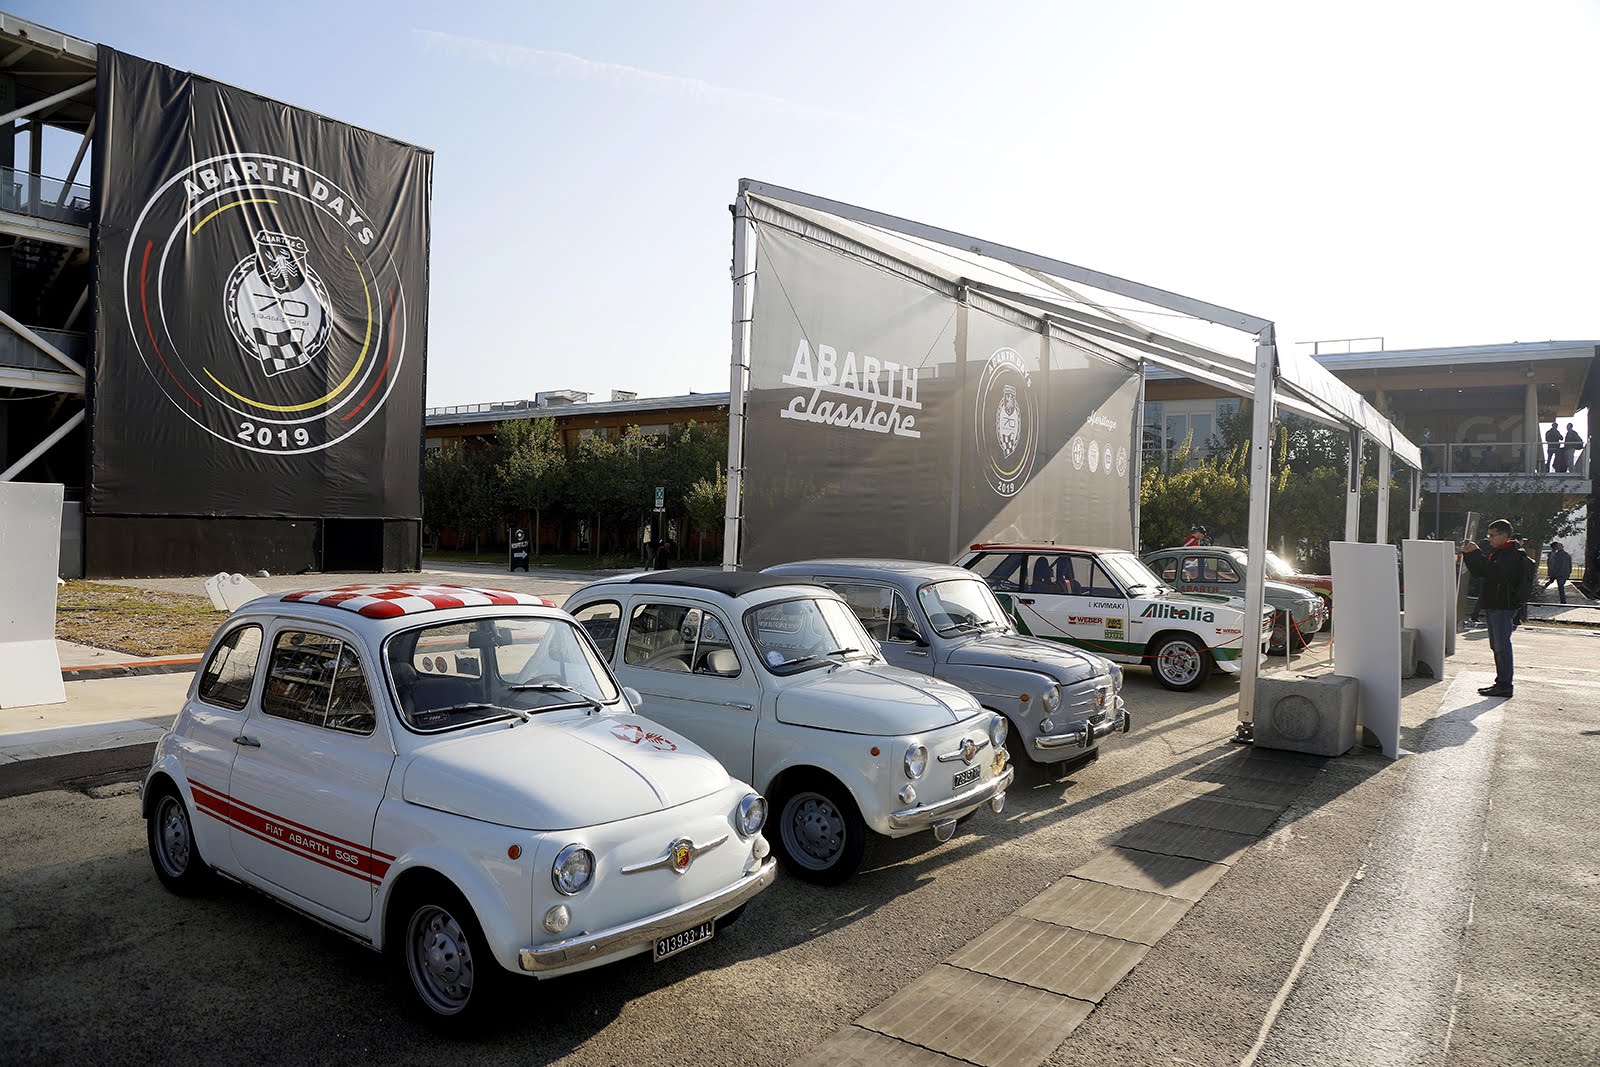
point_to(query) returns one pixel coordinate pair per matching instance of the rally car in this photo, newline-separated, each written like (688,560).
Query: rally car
(1106,601)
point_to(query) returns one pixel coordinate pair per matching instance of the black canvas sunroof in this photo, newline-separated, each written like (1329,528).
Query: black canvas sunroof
(729,583)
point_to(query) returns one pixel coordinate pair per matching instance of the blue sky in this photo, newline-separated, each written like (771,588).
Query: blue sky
(1418,171)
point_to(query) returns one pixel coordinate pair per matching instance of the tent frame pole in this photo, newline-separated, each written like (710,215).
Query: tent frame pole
(1256,539)
(738,380)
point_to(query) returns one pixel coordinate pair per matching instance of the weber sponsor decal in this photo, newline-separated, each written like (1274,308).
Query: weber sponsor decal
(1084,620)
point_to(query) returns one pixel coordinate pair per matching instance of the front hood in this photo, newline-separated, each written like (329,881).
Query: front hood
(1172,604)
(1014,652)
(1292,594)
(873,699)
(562,773)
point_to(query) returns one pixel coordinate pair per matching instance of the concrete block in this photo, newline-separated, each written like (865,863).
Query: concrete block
(1315,715)
(1408,652)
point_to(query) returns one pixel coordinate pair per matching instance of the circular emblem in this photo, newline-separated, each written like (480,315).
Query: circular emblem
(1006,429)
(1077,453)
(682,851)
(265,303)
(1295,718)
(1122,461)
(1094,457)
(1105,459)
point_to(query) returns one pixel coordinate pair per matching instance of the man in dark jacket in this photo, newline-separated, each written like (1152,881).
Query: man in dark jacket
(1502,569)
(1560,569)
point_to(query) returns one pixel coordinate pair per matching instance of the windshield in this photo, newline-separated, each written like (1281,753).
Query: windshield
(1127,569)
(962,605)
(797,635)
(459,673)
(1277,568)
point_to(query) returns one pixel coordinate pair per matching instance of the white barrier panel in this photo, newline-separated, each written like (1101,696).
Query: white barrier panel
(1430,568)
(1366,627)
(230,592)
(30,553)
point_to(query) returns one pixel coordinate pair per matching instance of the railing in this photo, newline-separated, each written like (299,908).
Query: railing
(44,198)
(481,409)
(15,351)
(1462,461)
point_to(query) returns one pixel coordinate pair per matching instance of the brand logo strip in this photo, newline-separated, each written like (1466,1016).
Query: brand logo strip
(325,849)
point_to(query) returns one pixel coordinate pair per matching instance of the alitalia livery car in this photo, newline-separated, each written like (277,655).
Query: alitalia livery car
(453,776)
(1106,601)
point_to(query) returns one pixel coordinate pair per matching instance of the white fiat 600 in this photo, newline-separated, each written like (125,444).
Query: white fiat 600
(777,679)
(454,776)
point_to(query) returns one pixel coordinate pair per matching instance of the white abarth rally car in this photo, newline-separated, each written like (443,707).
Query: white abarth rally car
(777,679)
(1105,600)
(451,775)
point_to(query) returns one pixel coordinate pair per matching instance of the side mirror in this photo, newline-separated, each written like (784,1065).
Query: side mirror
(904,631)
(634,698)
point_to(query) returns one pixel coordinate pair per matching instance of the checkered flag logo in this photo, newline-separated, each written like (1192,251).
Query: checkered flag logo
(278,350)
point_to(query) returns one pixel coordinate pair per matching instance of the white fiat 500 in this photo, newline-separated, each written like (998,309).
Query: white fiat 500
(454,776)
(777,679)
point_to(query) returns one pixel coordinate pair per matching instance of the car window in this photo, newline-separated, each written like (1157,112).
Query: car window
(1075,575)
(602,620)
(962,606)
(300,676)
(1221,569)
(713,651)
(800,634)
(350,707)
(880,609)
(661,636)
(231,672)
(1006,572)
(1167,568)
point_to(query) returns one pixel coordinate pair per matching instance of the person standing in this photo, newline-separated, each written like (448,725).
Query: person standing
(1560,569)
(1503,570)
(1571,448)
(1552,441)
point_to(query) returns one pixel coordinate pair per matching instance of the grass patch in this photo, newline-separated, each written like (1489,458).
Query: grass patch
(140,622)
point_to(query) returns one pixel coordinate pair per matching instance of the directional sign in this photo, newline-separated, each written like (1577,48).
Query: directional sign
(661,497)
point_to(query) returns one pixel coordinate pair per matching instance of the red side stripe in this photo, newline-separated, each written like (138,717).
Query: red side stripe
(226,798)
(369,864)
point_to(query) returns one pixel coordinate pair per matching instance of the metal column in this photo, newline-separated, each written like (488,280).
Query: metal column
(738,378)
(1380,532)
(1256,538)
(1352,494)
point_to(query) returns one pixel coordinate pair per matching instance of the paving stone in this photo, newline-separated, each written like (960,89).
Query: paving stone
(1196,842)
(855,1047)
(1073,963)
(1112,910)
(1173,876)
(1251,790)
(1252,819)
(974,1017)
(1268,768)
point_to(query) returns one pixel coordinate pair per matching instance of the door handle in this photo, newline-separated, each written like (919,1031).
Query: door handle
(914,652)
(247,742)
(737,704)
(1024,600)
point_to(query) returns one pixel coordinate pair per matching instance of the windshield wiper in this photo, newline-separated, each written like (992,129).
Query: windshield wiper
(472,705)
(816,656)
(555,687)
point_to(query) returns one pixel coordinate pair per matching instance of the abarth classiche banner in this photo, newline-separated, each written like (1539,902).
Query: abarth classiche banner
(261,280)
(885,417)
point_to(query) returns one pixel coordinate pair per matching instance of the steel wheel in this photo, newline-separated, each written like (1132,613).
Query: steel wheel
(813,831)
(439,959)
(1181,664)
(174,853)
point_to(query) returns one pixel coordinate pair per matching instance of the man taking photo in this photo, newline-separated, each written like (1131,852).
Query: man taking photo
(1507,576)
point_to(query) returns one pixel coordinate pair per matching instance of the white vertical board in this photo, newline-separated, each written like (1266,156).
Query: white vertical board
(30,553)
(1366,627)
(1430,569)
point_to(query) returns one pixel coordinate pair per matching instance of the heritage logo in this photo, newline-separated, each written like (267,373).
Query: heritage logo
(1167,611)
(305,336)
(1006,430)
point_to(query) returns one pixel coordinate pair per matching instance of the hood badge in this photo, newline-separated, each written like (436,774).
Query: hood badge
(679,855)
(967,752)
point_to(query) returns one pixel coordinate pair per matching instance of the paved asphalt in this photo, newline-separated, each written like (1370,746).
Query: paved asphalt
(1470,935)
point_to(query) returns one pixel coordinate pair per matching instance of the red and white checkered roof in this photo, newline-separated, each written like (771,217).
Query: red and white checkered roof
(393,601)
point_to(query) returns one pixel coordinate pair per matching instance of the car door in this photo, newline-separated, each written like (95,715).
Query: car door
(681,658)
(209,722)
(313,761)
(1082,604)
(885,615)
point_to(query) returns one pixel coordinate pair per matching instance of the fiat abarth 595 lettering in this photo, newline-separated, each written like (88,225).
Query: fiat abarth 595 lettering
(942,620)
(777,679)
(453,776)
(1107,601)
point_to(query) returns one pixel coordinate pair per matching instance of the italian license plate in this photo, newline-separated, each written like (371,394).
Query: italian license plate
(967,776)
(673,944)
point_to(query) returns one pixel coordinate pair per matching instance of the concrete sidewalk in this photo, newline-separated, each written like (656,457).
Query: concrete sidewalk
(100,713)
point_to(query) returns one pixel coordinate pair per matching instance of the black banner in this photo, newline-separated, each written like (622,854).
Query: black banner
(261,280)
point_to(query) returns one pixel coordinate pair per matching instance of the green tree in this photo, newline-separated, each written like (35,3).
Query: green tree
(531,468)
(1539,509)
(459,493)
(706,502)
(585,488)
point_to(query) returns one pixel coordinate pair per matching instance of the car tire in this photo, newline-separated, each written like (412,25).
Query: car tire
(820,836)
(1180,662)
(169,833)
(440,956)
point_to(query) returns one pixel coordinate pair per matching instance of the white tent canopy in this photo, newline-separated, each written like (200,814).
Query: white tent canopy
(1230,350)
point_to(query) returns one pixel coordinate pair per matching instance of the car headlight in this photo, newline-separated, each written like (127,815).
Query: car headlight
(1052,698)
(998,728)
(752,815)
(572,870)
(916,761)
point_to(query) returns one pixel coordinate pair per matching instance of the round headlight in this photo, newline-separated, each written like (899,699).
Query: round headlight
(752,815)
(1052,698)
(998,728)
(573,869)
(916,761)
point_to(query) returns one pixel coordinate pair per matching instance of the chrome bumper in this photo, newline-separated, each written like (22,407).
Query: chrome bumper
(557,954)
(1087,735)
(925,815)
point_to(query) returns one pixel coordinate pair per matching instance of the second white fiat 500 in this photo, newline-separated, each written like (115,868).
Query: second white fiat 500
(451,775)
(777,679)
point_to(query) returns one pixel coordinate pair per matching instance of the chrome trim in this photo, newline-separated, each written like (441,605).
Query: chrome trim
(918,817)
(666,860)
(978,746)
(1087,734)
(555,866)
(558,954)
